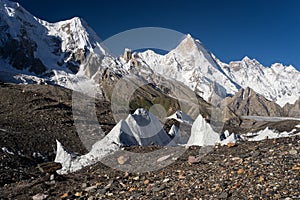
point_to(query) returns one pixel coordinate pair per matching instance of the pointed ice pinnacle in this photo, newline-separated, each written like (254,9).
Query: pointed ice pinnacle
(202,134)
(62,156)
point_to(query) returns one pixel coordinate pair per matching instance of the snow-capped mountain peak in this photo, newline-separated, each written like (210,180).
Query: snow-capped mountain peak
(11,8)
(33,47)
(11,13)
(193,65)
(246,59)
(279,67)
(190,48)
(78,34)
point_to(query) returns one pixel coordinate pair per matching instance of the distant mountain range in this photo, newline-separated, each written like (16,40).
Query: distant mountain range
(36,51)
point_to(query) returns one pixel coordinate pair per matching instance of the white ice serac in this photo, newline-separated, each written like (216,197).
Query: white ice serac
(202,134)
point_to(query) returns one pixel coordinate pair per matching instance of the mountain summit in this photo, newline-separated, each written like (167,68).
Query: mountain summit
(193,65)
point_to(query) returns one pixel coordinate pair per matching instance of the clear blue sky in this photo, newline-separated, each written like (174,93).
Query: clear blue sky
(268,30)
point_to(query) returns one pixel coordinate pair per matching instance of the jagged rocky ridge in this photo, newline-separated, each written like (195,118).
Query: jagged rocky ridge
(292,110)
(247,102)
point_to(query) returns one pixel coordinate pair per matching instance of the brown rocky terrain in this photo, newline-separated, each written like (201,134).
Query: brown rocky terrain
(267,169)
(32,117)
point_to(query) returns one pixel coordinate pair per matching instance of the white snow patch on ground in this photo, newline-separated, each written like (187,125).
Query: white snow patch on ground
(6,150)
(176,136)
(230,138)
(71,163)
(268,134)
(258,136)
(142,128)
(147,129)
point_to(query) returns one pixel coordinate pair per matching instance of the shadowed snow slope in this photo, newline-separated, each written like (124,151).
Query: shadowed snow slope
(31,47)
(176,136)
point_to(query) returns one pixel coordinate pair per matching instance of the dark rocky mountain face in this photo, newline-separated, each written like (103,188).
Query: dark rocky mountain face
(19,52)
(246,102)
(292,110)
